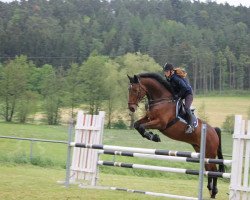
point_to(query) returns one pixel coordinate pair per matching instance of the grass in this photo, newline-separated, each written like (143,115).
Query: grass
(26,182)
(218,108)
(44,154)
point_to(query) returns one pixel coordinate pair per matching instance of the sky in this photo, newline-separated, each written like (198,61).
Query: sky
(230,2)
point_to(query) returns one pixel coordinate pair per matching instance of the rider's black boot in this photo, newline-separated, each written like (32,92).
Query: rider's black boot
(190,127)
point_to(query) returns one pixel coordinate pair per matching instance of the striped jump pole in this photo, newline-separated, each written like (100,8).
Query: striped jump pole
(172,196)
(163,169)
(163,157)
(137,150)
(154,193)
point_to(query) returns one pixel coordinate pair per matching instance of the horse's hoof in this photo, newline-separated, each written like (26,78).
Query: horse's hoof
(214,192)
(156,138)
(222,168)
(149,135)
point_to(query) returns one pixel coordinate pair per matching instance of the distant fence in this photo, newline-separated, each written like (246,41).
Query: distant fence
(32,140)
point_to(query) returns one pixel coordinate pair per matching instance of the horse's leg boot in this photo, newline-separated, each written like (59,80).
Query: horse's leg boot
(156,138)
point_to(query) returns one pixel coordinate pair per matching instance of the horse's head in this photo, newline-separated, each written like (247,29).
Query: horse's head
(136,93)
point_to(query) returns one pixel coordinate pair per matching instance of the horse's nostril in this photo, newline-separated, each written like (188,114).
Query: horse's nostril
(131,108)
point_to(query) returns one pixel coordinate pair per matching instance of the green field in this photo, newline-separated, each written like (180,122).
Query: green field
(21,180)
(218,108)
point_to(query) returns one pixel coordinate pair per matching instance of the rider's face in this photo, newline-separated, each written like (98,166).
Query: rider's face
(167,73)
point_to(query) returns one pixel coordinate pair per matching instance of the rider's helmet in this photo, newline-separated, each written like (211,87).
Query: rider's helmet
(168,67)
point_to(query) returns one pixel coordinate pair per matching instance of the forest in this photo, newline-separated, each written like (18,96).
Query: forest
(64,53)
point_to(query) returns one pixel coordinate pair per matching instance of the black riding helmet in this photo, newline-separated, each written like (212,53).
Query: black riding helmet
(168,67)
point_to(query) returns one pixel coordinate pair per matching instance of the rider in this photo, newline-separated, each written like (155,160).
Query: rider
(182,90)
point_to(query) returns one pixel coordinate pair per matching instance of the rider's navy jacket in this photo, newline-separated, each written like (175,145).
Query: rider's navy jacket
(180,85)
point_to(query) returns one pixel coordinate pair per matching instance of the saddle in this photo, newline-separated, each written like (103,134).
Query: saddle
(181,113)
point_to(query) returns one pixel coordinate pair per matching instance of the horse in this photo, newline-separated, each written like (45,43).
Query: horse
(161,115)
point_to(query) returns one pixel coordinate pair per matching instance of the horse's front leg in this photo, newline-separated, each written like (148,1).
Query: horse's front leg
(143,124)
(138,125)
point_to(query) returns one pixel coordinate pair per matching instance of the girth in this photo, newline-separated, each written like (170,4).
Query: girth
(171,123)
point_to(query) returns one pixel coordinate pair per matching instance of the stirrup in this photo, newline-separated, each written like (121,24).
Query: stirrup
(189,129)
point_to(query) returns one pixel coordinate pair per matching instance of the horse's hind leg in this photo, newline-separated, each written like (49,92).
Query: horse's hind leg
(210,185)
(212,182)
(214,189)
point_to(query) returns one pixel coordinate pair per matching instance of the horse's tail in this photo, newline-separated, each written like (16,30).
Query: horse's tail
(219,150)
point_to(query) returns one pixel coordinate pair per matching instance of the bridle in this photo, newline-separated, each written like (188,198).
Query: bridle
(139,92)
(151,102)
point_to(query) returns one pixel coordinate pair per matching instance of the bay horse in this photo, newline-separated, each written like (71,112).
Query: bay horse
(161,115)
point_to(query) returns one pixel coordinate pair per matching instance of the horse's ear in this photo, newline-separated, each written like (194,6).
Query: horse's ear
(130,79)
(136,79)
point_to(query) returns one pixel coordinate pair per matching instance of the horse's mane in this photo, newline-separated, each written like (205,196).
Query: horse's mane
(158,77)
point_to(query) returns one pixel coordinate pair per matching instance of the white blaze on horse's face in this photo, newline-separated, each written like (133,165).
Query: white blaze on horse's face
(136,93)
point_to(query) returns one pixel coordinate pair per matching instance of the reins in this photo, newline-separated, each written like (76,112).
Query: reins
(152,102)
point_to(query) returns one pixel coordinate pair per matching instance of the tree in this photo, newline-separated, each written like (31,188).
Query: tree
(112,89)
(221,62)
(93,72)
(231,67)
(243,72)
(52,91)
(26,105)
(73,88)
(13,84)
(228,124)
(63,32)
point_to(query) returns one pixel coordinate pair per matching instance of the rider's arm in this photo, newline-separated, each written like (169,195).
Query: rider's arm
(182,86)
